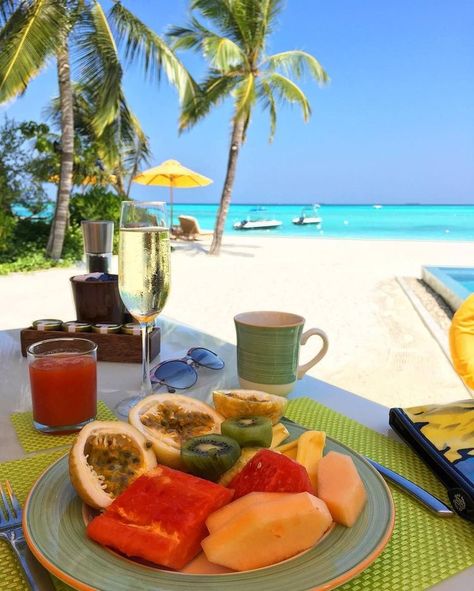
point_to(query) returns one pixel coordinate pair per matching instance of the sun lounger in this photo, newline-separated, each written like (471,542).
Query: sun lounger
(190,229)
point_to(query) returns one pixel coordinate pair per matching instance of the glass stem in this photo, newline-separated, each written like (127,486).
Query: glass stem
(146,388)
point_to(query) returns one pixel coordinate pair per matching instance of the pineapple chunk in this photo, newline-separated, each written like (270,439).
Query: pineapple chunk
(280,433)
(309,452)
(246,455)
(288,449)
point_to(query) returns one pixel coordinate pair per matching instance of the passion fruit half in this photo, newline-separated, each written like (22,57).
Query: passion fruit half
(169,420)
(106,457)
(249,403)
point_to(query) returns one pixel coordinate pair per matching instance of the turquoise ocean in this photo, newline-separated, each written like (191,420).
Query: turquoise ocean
(381,222)
(386,222)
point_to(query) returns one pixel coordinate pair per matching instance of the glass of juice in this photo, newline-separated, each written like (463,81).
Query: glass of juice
(63,380)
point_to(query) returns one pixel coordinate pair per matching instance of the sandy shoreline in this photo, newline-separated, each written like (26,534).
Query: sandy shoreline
(379,348)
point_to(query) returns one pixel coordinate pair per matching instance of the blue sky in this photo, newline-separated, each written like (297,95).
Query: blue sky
(395,125)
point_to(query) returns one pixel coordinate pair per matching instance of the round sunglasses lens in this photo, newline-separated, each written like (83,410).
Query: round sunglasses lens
(176,374)
(206,358)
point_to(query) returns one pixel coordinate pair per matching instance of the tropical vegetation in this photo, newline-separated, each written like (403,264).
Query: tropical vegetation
(233,38)
(96,46)
(28,158)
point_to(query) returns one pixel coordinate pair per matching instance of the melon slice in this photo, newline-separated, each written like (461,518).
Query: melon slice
(341,488)
(267,533)
(220,517)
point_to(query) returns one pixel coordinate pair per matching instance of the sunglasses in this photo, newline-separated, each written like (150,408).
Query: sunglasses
(179,374)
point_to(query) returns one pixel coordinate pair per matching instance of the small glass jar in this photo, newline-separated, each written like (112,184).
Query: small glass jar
(131,328)
(74,326)
(48,324)
(106,328)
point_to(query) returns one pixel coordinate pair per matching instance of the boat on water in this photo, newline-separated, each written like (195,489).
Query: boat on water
(257,219)
(309,215)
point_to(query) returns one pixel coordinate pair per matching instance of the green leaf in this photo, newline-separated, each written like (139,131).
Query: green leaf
(7,8)
(245,96)
(295,62)
(215,89)
(99,65)
(144,46)
(268,101)
(228,16)
(287,91)
(31,35)
(223,54)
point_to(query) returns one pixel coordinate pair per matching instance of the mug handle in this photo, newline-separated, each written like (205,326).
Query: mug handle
(302,369)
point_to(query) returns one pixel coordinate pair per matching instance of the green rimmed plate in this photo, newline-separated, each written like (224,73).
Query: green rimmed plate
(54,529)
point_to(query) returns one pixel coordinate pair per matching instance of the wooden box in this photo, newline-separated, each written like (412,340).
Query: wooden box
(120,347)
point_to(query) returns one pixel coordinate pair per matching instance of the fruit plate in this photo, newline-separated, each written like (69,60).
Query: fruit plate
(54,528)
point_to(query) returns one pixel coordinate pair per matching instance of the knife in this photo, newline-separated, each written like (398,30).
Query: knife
(420,494)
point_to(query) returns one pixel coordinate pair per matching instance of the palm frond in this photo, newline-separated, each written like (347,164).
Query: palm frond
(99,65)
(185,37)
(287,91)
(215,89)
(7,8)
(268,102)
(222,53)
(270,11)
(31,35)
(141,44)
(295,62)
(228,16)
(245,96)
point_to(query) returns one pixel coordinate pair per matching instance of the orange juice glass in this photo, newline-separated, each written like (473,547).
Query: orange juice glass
(63,380)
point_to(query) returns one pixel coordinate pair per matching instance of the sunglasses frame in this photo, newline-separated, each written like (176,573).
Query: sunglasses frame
(189,362)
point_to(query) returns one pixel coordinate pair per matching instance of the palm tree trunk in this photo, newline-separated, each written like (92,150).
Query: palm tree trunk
(61,214)
(119,184)
(235,143)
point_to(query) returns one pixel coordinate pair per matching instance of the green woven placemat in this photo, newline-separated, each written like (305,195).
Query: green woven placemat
(22,474)
(424,549)
(32,440)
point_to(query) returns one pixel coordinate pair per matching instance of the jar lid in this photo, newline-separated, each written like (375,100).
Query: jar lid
(131,328)
(48,324)
(74,326)
(106,328)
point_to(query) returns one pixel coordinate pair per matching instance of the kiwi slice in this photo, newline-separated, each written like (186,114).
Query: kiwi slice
(209,456)
(249,431)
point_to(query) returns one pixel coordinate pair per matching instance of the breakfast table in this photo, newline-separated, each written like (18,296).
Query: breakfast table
(422,553)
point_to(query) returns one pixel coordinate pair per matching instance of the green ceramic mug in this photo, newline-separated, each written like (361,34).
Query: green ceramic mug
(268,347)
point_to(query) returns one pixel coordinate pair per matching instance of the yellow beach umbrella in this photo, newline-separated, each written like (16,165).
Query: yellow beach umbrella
(172,174)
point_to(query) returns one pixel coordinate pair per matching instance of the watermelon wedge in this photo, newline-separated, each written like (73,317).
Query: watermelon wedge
(160,517)
(269,471)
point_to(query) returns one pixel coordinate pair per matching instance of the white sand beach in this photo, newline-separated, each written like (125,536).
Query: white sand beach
(379,347)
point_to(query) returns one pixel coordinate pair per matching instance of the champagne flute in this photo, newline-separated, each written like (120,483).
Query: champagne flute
(144,275)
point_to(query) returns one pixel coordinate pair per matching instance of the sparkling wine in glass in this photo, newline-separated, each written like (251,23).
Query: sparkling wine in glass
(144,275)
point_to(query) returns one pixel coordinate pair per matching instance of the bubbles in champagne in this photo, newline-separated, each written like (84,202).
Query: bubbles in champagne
(144,271)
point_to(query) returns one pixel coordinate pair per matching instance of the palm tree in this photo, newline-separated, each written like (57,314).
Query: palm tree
(240,68)
(79,32)
(114,156)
